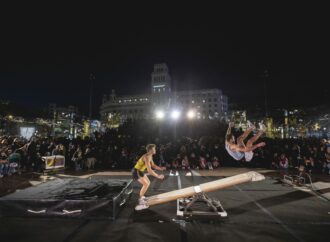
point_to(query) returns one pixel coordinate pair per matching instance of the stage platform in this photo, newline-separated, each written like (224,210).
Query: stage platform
(261,211)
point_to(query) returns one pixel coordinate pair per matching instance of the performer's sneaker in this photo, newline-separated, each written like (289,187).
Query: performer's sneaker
(142,204)
(250,125)
(141,207)
(142,200)
(262,127)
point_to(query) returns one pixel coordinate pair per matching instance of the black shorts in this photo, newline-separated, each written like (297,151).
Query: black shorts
(136,174)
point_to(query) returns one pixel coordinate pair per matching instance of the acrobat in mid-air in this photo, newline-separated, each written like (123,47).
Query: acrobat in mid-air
(238,150)
(146,163)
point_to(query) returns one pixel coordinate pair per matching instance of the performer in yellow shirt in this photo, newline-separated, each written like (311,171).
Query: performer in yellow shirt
(146,163)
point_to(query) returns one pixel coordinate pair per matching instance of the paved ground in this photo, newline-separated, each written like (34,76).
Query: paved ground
(262,211)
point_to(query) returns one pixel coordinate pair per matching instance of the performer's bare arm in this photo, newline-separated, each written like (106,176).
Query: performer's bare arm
(158,168)
(148,160)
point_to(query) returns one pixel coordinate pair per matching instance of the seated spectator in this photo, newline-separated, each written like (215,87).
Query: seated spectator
(193,160)
(283,162)
(176,162)
(185,163)
(202,162)
(215,162)
(309,165)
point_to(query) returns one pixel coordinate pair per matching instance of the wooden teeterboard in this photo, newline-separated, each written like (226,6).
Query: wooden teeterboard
(251,176)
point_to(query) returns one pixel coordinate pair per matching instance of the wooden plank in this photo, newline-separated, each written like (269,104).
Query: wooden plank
(251,176)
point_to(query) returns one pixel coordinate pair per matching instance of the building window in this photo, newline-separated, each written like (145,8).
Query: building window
(215,99)
(215,105)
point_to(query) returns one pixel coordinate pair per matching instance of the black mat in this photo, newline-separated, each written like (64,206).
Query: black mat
(77,197)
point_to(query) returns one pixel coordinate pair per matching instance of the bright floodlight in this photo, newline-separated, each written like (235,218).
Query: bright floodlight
(175,114)
(160,114)
(191,114)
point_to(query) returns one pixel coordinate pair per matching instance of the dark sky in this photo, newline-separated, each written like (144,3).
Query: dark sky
(47,56)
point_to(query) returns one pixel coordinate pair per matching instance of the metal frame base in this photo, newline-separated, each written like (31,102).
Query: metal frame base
(185,205)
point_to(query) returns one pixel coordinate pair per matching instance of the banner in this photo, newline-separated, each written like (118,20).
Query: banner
(54,162)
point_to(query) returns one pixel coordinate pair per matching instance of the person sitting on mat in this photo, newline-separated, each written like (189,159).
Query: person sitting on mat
(146,163)
(238,150)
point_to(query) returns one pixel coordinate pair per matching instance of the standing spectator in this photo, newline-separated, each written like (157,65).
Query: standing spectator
(327,163)
(31,154)
(77,158)
(275,161)
(4,166)
(58,150)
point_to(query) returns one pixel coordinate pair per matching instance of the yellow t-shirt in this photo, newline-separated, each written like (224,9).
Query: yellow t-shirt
(141,165)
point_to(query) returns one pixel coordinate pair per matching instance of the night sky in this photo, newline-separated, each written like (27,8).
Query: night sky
(47,56)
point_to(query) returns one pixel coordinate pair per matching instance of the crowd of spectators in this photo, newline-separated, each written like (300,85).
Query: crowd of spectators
(119,149)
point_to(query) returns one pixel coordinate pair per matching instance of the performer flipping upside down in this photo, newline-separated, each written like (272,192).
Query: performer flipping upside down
(146,163)
(239,150)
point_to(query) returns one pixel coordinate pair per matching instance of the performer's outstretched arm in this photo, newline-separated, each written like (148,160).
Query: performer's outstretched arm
(158,168)
(248,149)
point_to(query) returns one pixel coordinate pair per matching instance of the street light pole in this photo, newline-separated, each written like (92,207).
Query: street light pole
(91,78)
(266,75)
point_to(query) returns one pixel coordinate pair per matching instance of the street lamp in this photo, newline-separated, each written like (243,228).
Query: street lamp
(191,114)
(160,114)
(175,114)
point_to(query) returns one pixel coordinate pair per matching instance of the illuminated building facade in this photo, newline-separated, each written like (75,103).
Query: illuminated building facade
(206,103)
